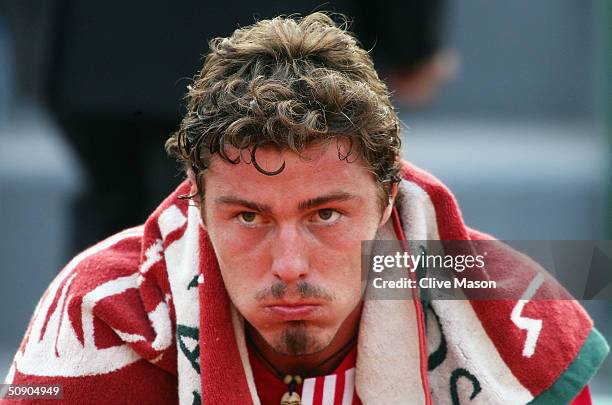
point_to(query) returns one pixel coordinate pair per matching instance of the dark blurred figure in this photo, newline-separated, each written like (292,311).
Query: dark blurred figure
(407,42)
(117,72)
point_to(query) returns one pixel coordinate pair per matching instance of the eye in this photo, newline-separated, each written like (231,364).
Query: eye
(326,215)
(249,218)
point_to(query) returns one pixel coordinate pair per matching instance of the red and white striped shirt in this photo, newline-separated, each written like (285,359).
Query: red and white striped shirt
(337,388)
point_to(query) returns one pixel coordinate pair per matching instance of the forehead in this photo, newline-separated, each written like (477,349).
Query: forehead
(319,169)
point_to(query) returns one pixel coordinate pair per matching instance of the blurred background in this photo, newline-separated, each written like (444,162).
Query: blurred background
(508,103)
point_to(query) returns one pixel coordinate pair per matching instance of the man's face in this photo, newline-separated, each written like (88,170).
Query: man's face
(289,245)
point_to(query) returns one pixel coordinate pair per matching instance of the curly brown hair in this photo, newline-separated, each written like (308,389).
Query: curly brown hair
(289,82)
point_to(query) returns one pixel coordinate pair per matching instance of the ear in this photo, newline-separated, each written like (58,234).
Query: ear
(193,187)
(389,209)
(193,191)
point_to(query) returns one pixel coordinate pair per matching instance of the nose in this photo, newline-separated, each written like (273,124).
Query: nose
(289,254)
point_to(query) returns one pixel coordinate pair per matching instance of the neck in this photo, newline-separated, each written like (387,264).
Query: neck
(309,365)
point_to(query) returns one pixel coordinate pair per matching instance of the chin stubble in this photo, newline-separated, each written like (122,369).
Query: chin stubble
(296,340)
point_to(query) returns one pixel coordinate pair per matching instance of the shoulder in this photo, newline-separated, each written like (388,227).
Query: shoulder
(92,319)
(115,257)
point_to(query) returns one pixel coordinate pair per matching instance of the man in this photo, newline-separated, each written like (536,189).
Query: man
(245,285)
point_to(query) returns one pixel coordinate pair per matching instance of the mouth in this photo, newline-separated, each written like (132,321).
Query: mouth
(293,311)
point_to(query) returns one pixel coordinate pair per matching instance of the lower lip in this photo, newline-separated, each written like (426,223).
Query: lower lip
(293,313)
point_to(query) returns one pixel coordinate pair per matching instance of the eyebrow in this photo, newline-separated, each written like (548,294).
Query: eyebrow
(326,199)
(266,209)
(302,206)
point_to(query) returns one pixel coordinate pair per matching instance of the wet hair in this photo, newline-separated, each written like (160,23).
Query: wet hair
(289,82)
